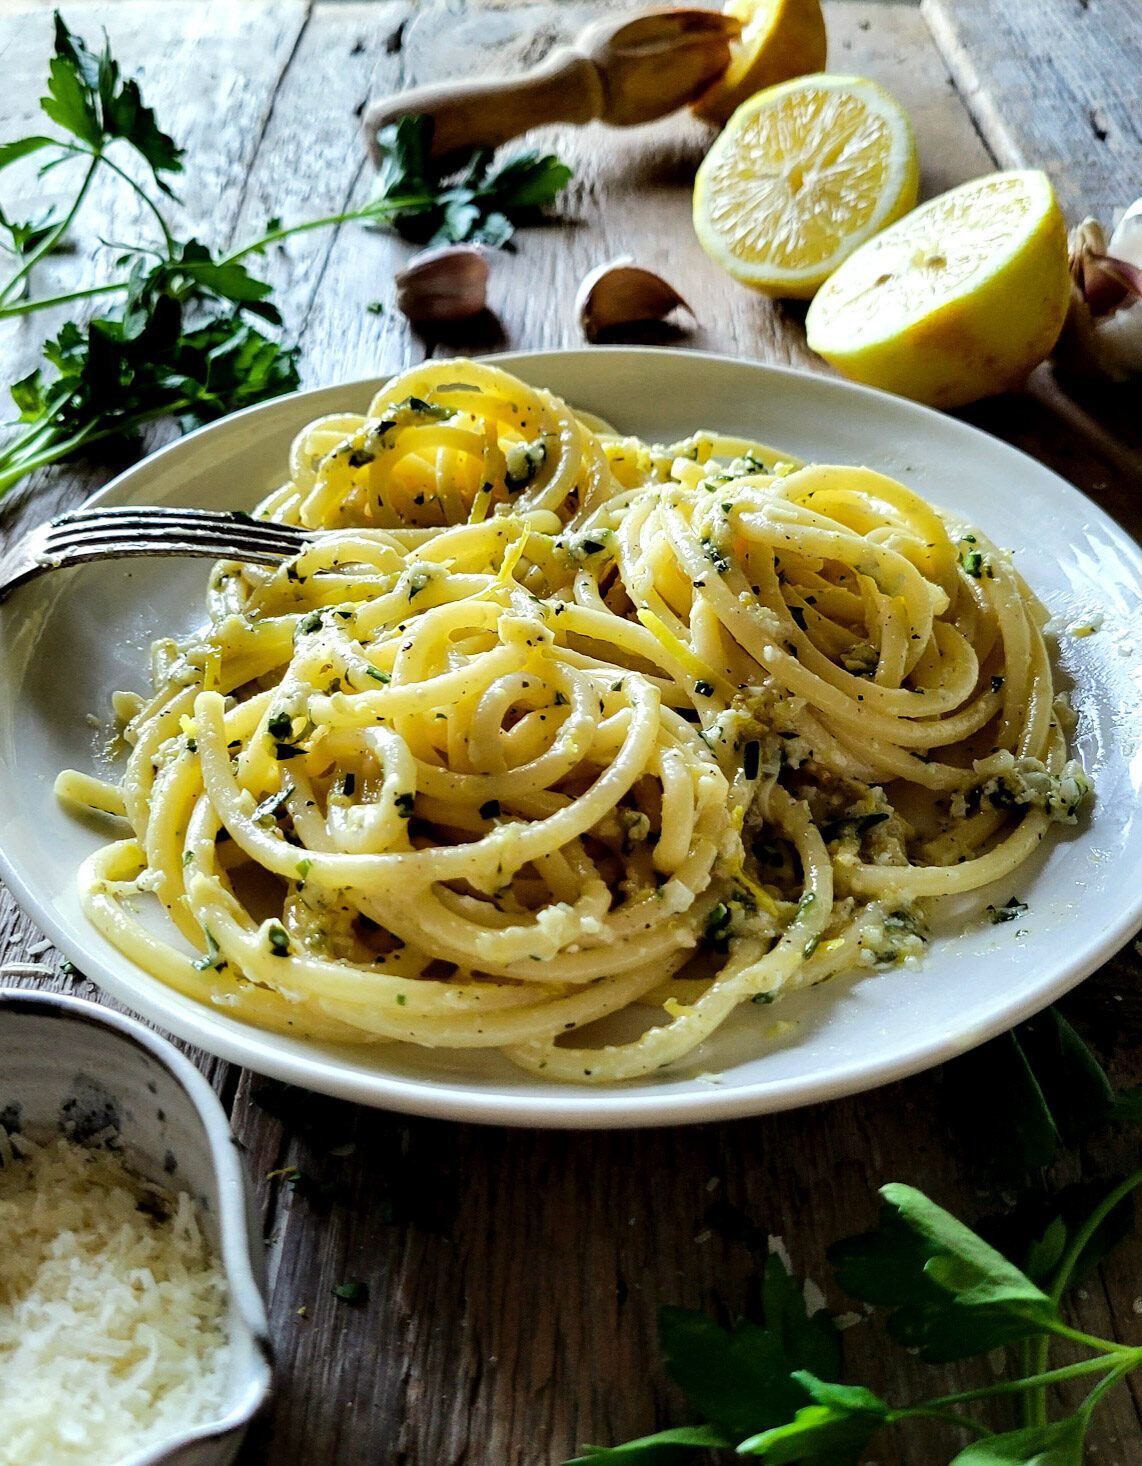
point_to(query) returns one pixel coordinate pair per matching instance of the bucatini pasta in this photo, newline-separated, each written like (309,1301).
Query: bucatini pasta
(548,721)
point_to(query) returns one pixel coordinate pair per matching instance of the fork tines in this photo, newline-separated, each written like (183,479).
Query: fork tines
(130,530)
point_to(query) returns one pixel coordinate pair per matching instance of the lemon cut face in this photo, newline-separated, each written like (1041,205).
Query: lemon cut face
(803,174)
(780,39)
(957,301)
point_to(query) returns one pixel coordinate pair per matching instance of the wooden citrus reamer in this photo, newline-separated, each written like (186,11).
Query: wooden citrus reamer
(622,72)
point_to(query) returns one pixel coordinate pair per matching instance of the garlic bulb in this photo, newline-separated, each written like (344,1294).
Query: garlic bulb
(443,285)
(1120,333)
(621,293)
(1126,241)
(1102,335)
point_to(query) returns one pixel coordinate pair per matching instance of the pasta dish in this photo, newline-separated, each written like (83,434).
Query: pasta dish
(546,722)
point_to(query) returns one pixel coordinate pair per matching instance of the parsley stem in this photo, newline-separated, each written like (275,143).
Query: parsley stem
(53,237)
(1120,1371)
(1087,1230)
(370,211)
(168,237)
(24,463)
(20,448)
(1034,1381)
(1031,1360)
(1105,1347)
(375,211)
(26,307)
(1035,1408)
(949,1417)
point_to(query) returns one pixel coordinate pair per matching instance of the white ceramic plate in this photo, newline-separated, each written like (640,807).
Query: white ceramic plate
(69,639)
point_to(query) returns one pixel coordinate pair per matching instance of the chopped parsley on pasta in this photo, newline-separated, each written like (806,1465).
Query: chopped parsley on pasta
(548,721)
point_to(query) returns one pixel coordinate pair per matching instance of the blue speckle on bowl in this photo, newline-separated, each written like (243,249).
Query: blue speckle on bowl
(91,1109)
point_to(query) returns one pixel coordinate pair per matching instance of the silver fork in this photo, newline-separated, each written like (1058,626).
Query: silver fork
(124,530)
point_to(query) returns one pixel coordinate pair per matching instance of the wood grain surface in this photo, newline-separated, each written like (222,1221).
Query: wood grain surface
(1053,85)
(513,1277)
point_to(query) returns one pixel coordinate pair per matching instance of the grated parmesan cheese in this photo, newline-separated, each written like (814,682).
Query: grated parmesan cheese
(112,1309)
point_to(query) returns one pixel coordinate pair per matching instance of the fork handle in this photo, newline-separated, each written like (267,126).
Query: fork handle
(566,87)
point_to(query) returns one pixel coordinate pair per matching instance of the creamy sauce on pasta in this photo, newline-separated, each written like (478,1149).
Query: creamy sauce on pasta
(548,721)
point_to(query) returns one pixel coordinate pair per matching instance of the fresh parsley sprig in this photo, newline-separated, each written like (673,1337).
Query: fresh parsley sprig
(479,202)
(770,1390)
(186,338)
(95,108)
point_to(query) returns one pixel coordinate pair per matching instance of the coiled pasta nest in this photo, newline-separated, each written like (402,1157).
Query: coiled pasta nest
(546,722)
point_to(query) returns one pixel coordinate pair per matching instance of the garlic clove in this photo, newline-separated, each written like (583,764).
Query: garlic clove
(621,293)
(442,285)
(1126,241)
(1119,338)
(1102,335)
(1085,243)
(1105,280)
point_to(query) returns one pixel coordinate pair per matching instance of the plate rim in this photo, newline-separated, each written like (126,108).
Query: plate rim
(568,1107)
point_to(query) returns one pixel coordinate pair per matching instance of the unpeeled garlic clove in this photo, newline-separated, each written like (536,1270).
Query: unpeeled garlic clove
(621,293)
(1126,241)
(1102,335)
(1107,280)
(443,285)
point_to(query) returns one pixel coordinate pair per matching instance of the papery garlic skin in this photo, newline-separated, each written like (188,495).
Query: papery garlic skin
(1102,336)
(443,285)
(1120,342)
(1126,240)
(621,293)
(1121,333)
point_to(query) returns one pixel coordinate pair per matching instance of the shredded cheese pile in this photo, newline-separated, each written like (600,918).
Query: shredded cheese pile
(112,1309)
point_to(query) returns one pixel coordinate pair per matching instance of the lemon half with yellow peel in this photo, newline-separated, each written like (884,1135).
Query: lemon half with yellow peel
(804,173)
(957,301)
(780,39)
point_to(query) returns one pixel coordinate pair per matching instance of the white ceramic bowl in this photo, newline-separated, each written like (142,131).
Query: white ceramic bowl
(63,1060)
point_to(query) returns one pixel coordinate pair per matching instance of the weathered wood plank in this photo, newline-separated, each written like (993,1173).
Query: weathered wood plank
(514,1277)
(1052,85)
(210,72)
(311,160)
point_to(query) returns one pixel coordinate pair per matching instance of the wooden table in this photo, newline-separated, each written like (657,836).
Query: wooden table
(514,1277)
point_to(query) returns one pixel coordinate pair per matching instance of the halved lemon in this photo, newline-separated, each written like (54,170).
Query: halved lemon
(780,39)
(957,301)
(804,173)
